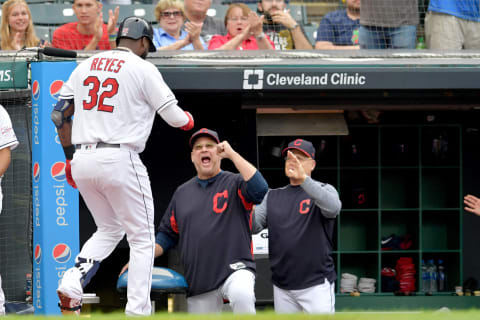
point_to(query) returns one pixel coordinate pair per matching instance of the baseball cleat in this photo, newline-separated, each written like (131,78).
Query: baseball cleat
(69,306)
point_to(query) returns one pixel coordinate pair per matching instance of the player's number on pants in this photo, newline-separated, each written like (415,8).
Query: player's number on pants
(93,83)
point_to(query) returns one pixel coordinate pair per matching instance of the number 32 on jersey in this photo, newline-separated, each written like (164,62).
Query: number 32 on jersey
(108,88)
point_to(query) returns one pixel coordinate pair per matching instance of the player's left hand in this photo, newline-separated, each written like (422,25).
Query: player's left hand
(190,124)
(68,174)
(294,168)
(472,204)
(224,150)
(112,20)
(283,18)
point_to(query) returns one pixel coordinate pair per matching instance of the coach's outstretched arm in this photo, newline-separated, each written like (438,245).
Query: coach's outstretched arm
(62,118)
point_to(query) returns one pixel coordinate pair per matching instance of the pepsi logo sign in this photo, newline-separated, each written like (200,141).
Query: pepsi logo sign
(55,88)
(36,172)
(35,90)
(61,253)
(58,171)
(37,254)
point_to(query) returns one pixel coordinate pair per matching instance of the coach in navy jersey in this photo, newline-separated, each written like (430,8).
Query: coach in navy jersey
(300,218)
(209,218)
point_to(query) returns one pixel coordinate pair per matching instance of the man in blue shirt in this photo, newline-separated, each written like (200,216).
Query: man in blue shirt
(453,25)
(339,29)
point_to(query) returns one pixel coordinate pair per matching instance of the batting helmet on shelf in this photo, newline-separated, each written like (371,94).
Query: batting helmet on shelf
(136,28)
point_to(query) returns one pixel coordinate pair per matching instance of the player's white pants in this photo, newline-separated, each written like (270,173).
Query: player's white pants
(2,299)
(116,188)
(238,289)
(316,299)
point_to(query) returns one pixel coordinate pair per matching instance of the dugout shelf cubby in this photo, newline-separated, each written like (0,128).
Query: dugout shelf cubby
(401,179)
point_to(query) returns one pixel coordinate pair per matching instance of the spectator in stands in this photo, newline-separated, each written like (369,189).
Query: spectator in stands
(281,27)
(339,29)
(244,31)
(170,36)
(196,12)
(17,29)
(453,25)
(89,32)
(388,24)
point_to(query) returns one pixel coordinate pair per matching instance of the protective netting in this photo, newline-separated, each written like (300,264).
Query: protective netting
(348,24)
(15,218)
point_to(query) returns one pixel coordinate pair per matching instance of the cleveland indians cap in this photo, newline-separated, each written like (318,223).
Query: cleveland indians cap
(203,132)
(302,145)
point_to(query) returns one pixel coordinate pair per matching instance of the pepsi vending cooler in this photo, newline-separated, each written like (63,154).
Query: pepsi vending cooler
(55,203)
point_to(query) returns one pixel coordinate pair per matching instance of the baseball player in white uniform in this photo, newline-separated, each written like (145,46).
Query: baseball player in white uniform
(113,97)
(8,142)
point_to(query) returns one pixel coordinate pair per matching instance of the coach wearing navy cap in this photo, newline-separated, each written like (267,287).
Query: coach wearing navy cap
(208,219)
(300,219)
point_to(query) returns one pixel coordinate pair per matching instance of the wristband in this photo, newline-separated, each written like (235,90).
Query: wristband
(260,36)
(69,151)
(112,37)
(294,27)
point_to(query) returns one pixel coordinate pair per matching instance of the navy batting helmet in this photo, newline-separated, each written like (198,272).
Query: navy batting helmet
(136,28)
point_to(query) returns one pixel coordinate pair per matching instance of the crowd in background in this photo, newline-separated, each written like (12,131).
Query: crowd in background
(267,24)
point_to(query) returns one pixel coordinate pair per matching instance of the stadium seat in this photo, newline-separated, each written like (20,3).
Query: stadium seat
(218,11)
(145,11)
(44,32)
(52,14)
(311,32)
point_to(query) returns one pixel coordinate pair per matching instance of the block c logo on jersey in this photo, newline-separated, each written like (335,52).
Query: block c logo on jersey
(58,171)
(61,253)
(37,255)
(55,88)
(253,79)
(35,90)
(36,172)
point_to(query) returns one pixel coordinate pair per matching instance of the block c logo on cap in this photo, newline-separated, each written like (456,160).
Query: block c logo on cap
(255,75)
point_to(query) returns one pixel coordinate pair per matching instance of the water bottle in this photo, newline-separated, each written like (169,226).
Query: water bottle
(424,275)
(442,280)
(421,43)
(433,276)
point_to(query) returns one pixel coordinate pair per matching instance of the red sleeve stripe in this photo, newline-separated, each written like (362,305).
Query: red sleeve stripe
(247,205)
(173,223)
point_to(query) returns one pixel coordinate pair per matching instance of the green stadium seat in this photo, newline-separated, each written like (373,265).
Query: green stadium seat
(311,32)
(218,11)
(52,14)
(145,11)
(44,32)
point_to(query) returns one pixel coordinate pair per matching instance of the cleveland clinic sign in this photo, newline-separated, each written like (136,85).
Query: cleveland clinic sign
(258,79)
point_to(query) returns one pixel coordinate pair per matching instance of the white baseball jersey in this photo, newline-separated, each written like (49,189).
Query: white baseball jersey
(116,96)
(7,138)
